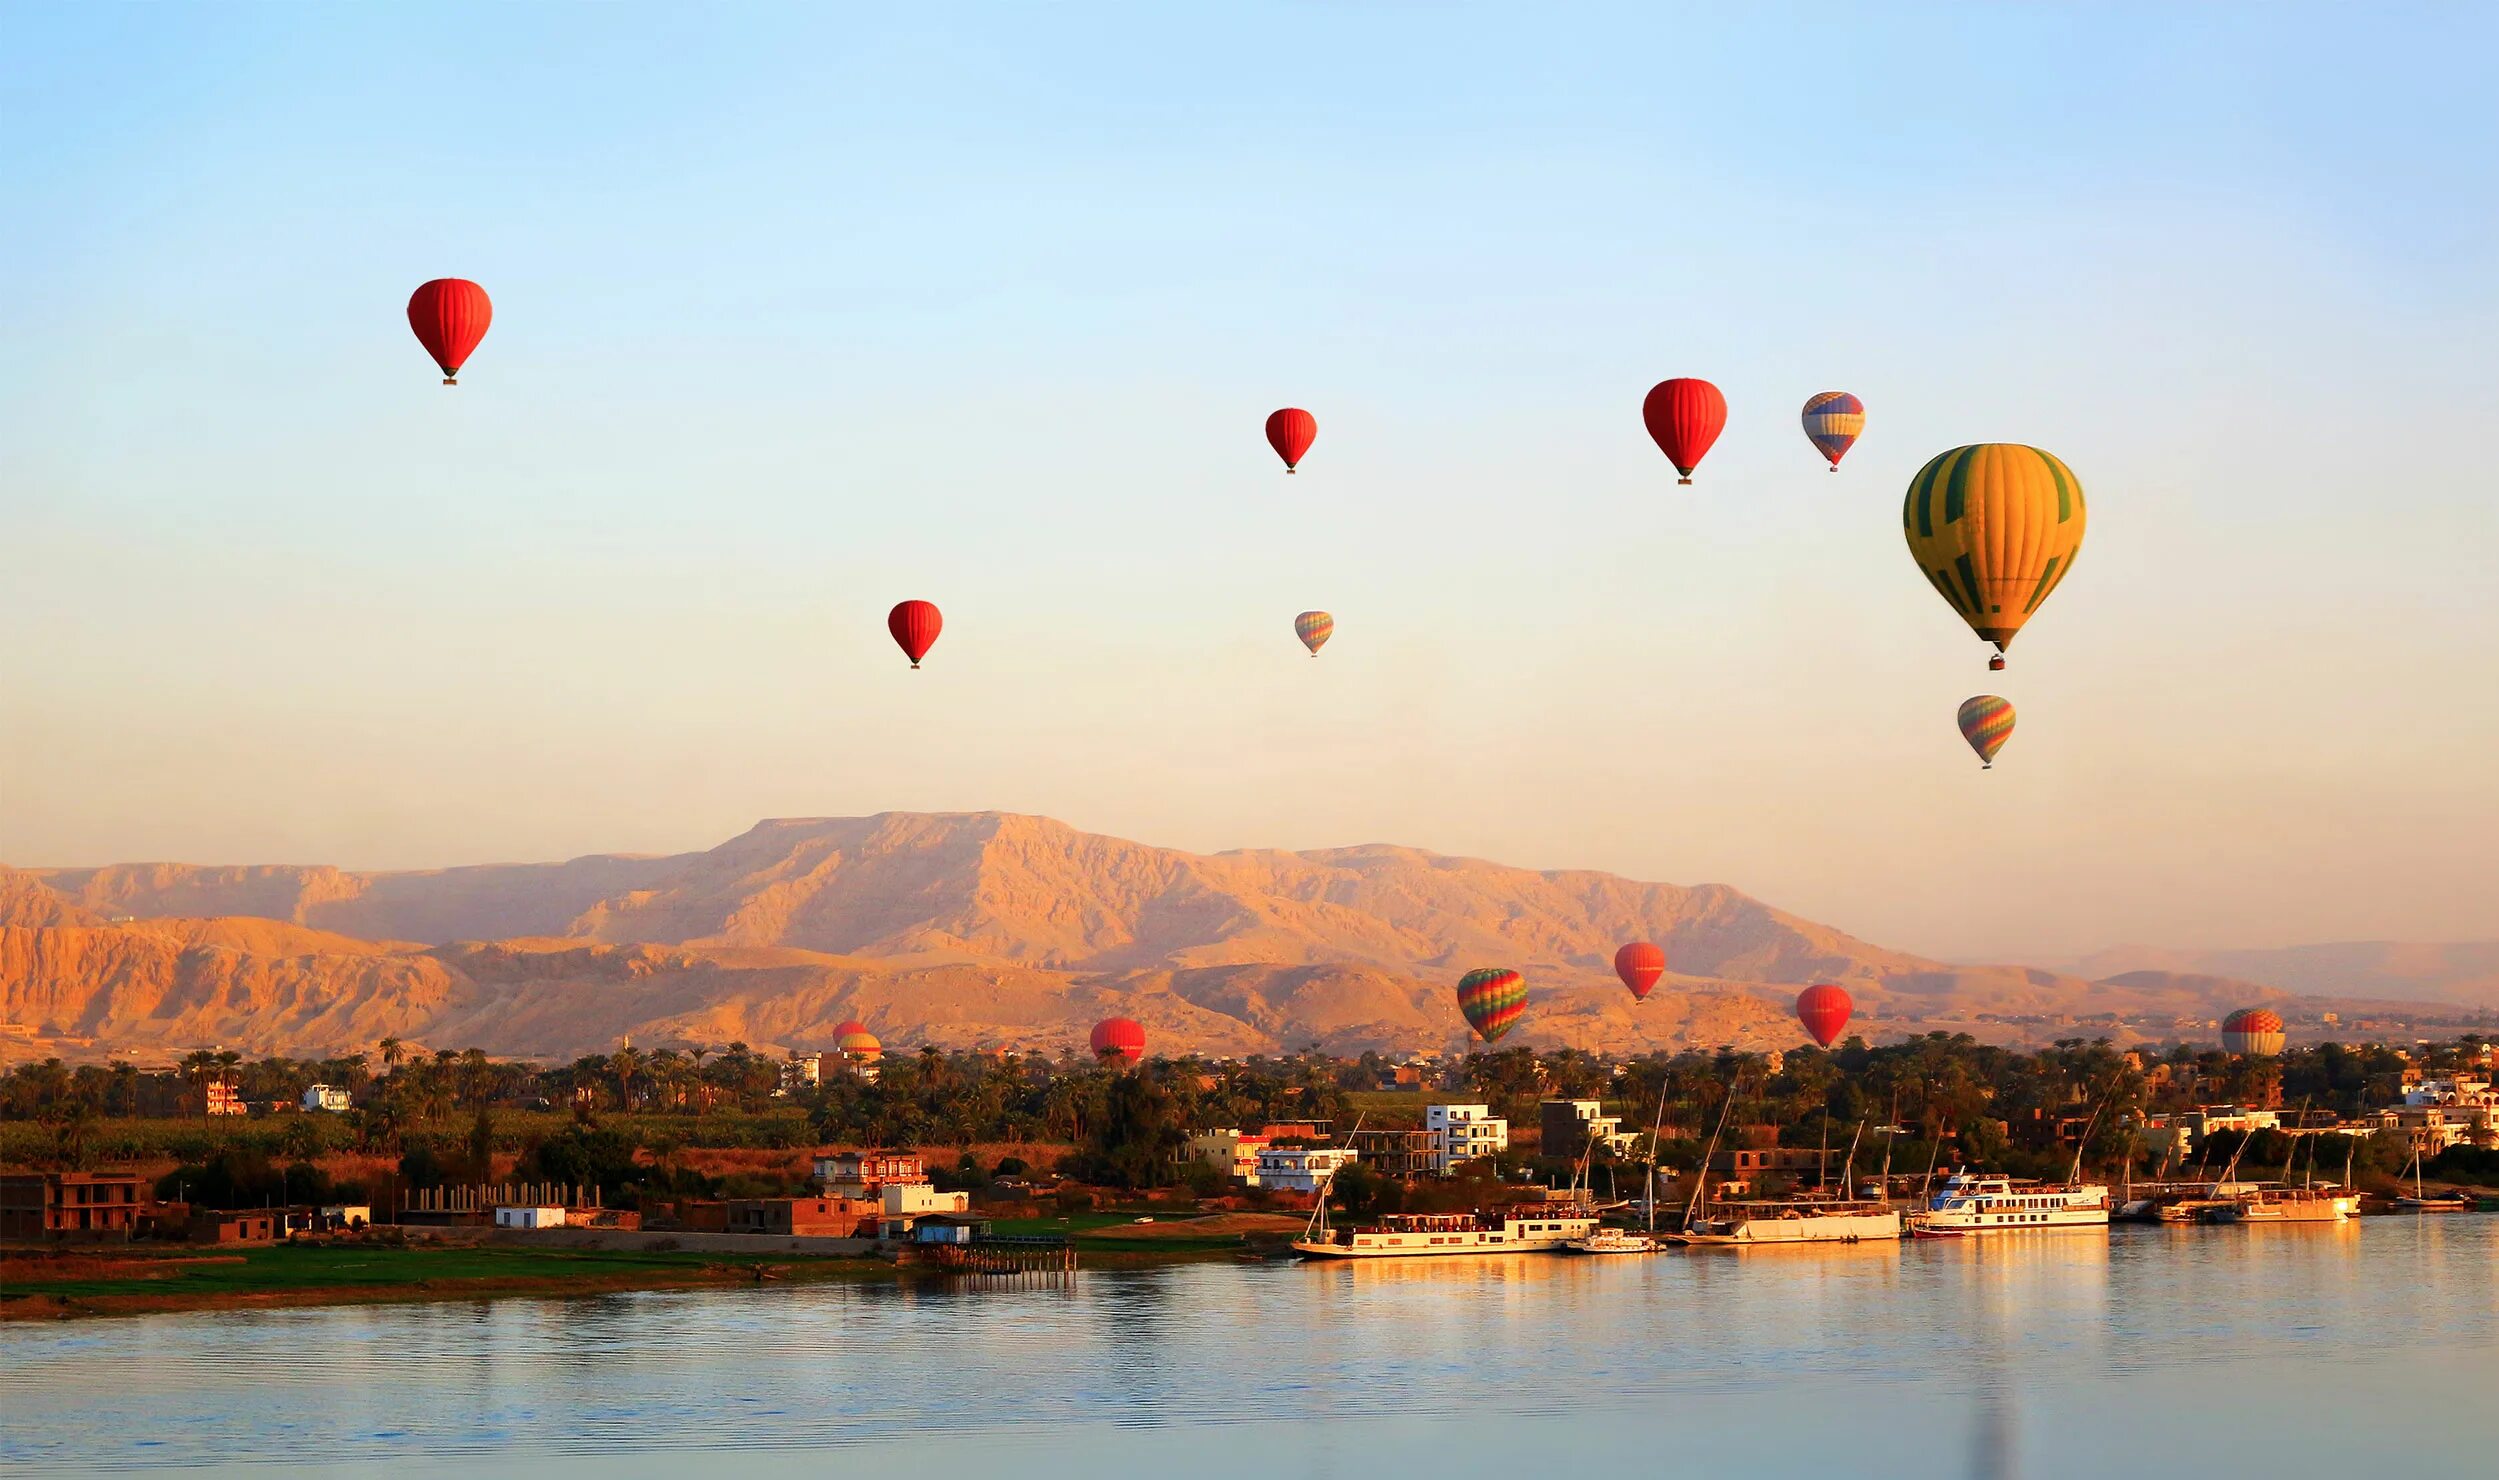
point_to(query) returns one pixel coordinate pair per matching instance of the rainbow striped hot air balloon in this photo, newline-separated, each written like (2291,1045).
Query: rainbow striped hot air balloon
(1313,629)
(1833,421)
(1995,527)
(1493,998)
(1986,722)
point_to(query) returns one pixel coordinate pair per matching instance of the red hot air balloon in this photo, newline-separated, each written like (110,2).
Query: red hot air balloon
(1290,432)
(449,316)
(915,625)
(1119,1042)
(1640,964)
(1685,417)
(1824,1010)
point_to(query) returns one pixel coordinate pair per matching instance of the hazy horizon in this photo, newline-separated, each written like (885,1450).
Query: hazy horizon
(798,315)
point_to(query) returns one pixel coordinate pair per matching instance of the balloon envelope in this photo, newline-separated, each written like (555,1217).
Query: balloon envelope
(1833,420)
(1119,1041)
(853,1041)
(1493,998)
(1290,432)
(1986,722)
(915,625)
(1824,1010)
(1684,417)
(1995,527)
(449,316)
(2252,1030)
(1640,964)
(1314,628)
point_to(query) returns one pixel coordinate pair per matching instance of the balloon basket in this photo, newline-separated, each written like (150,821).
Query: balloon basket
(1289,472)
(1996,664)
(915,667)
(451,380)
(1683,482)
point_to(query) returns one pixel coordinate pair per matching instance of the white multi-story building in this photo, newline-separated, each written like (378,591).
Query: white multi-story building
(1301,1168)
(326,1097)
(1464,1133)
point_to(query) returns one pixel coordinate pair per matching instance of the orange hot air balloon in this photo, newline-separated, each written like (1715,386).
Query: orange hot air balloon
(1290,432)
(449,316)
(1824,1010)
(915,625)
(1119,1042)
(1684,417)
(1640,964)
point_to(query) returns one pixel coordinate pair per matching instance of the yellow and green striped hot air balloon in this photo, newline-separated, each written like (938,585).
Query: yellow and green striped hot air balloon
(1995,527)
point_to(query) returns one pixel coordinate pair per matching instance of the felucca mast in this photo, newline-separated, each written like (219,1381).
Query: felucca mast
(1318,1223)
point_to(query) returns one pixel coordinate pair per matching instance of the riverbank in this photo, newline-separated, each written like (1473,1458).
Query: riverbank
(54,1285)
(107,1280)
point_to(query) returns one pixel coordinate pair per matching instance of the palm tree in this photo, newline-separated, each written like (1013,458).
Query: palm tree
(474,1068)
(392,1052)
(624,1063)
(197,1065)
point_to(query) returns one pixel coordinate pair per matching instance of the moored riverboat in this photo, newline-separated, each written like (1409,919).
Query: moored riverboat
(1974,1203)
(1795,1221)
(2288,1205)
(1513,1230)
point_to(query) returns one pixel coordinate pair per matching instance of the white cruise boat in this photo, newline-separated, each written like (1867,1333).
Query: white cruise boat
(1526,1229)
(1974,1202)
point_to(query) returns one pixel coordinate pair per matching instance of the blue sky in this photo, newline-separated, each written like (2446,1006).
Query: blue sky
(801,312)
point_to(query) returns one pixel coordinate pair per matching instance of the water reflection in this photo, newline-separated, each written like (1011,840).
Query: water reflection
(1768,1361)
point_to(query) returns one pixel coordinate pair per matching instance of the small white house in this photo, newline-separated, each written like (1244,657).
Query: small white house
(529,1217)
(1301,1168)
(916,1199)
(326,1097)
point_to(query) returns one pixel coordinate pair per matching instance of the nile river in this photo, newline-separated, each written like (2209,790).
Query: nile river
(2325,1350)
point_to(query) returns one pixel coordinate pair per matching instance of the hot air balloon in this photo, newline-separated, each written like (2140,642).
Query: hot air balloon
(449,316)
(1996,528)
(1290,432)
(1684,417)
(1313,628)
(1824,1010)
(1986,722)
(1118,1042)
(1493,998)
(1640,964)
(853,1041)
(1833,419)
(2252,1030)
(915,625)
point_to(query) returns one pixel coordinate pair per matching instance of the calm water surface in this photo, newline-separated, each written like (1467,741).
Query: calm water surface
(2322,1350)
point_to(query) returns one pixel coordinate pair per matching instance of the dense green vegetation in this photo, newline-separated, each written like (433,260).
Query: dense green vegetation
(625,1119)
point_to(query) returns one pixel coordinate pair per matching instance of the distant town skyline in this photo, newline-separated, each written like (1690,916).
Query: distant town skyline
(798,315)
